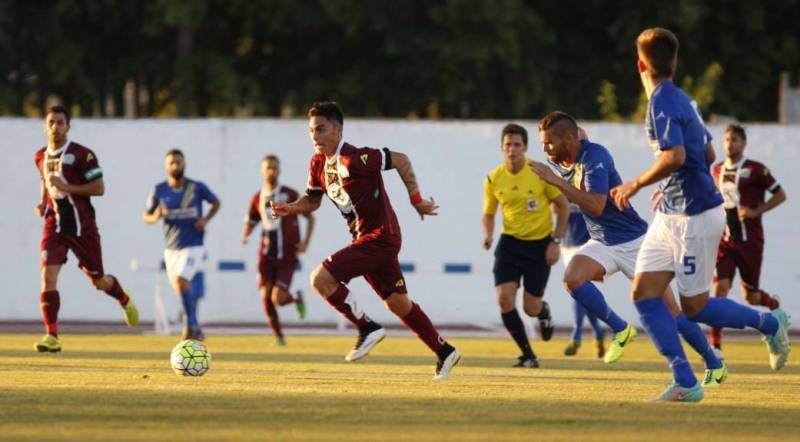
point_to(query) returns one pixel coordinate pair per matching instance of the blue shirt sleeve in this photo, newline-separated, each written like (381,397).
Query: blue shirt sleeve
(207,195)
(667,125)
(596,168)
(152,201)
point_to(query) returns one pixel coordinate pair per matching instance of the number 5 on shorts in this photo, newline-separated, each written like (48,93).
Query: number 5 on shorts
(689,267)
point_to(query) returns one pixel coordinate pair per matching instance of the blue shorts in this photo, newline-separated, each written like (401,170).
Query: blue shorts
(516,258)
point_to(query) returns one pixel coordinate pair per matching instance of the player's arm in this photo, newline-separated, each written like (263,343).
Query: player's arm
(666,163)
(711,156)
(203,222)
(310,221)
(774,201)
(247,229)
(487,221)
(42,205)
(401,163)
(92,188)
(490,204)
(307,203)
(591,202)
(560,206)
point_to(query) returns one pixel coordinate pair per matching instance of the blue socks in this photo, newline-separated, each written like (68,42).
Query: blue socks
(663,331)
(694,336)
(595,304)
(577,330)
(189,307)
(722,312)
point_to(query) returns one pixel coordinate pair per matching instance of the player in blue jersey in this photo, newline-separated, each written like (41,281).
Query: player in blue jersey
(587,174)
(576,236)
(682,240)
(179,201)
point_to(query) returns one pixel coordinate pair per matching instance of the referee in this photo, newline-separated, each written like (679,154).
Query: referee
(528,245)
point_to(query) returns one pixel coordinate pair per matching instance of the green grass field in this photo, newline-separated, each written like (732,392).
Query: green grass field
(120,387)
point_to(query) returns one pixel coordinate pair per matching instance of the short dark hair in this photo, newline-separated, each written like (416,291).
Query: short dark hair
(59,109)
(271,157)
(659,48)
(738,130)
(328,109)
(515,129)
(559,121)
(175,151)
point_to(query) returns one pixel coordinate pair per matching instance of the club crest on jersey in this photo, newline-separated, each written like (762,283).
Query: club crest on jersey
(364,158)
(68,159)
(744,173)
(532,204)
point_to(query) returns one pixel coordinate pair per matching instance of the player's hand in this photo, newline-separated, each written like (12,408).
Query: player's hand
(623,193)
(39,209)
(487,243)
(749,212)
(543,171)
(552,253)
(55,182)
(426,207)
(278,209)
(200,225)
(302,247)
(655,199)
(243,239)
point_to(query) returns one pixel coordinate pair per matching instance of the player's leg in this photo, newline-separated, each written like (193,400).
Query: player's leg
(653,273)
(592,263)
(267,269)
(343,266)
(182,265)
(726,263)
(535,273)
(577,329)
(720,288)
(507,271)
(281,294)
(702,233)
(53,254)
(752,254)
(599,335)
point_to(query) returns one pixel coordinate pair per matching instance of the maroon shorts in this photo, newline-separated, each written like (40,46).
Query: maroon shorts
(373,256)
(273,271)
(746,256)
(86,248)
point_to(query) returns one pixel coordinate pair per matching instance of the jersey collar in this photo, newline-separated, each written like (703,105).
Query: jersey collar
(738,165)
(58,151)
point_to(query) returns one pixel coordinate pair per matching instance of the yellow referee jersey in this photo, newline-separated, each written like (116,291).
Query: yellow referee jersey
(525,199)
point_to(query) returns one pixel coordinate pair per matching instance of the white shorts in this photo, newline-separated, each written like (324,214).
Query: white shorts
(616,258)
(567,252)
(184,262)
(685,245)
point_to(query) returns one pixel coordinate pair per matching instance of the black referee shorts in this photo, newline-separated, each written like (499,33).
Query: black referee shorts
(516,258)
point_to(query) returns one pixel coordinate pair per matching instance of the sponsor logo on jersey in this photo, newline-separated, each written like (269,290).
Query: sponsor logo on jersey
(68,158)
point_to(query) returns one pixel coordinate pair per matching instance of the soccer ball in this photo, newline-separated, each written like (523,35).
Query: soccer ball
(190,358)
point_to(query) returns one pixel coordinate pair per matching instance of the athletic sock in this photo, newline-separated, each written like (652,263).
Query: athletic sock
(663,331)
(593,301)
(117,293)
(272,317)
(716,337)
(694,336)
(422,326)
(516,329)
(50,303)
(580,313)
(189,307)
(346,305)
(722,312)
(768,301)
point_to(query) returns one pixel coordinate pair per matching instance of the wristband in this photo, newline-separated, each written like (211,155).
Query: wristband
(416,199)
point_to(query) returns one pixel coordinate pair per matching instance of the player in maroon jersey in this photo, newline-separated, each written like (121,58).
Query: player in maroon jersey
(351,177)
(743,184)
(280,244)
(70,176)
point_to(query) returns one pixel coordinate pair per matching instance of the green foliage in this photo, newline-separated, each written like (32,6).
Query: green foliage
(445,58)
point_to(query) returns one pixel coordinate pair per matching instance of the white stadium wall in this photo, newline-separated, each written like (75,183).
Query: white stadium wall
(450,159)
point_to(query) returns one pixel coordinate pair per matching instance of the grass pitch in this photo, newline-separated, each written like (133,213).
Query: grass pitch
(120,387)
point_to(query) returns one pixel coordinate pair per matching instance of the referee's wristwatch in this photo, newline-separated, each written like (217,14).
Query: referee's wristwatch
(555,240)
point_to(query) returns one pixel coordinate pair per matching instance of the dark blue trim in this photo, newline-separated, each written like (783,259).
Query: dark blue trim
(231,266)
(407,267)
(453,267)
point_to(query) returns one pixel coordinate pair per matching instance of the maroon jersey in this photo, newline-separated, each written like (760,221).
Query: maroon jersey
(279,236)
(69,214)
(352,180)
(743,185)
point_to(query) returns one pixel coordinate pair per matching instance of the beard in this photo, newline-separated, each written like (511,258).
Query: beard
(177,174)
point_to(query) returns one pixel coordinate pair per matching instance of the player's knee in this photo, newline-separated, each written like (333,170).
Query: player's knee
(322,281)
(534,307)
(280,296)
(721,288)
(399,304)
(572,281)
(506,302)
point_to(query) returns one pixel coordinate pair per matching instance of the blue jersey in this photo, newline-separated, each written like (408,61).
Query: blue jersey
(577,235)
(594,171)
(184,207)
(673,120)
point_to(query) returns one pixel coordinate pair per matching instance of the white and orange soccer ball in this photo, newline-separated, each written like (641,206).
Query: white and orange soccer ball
(190,358)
